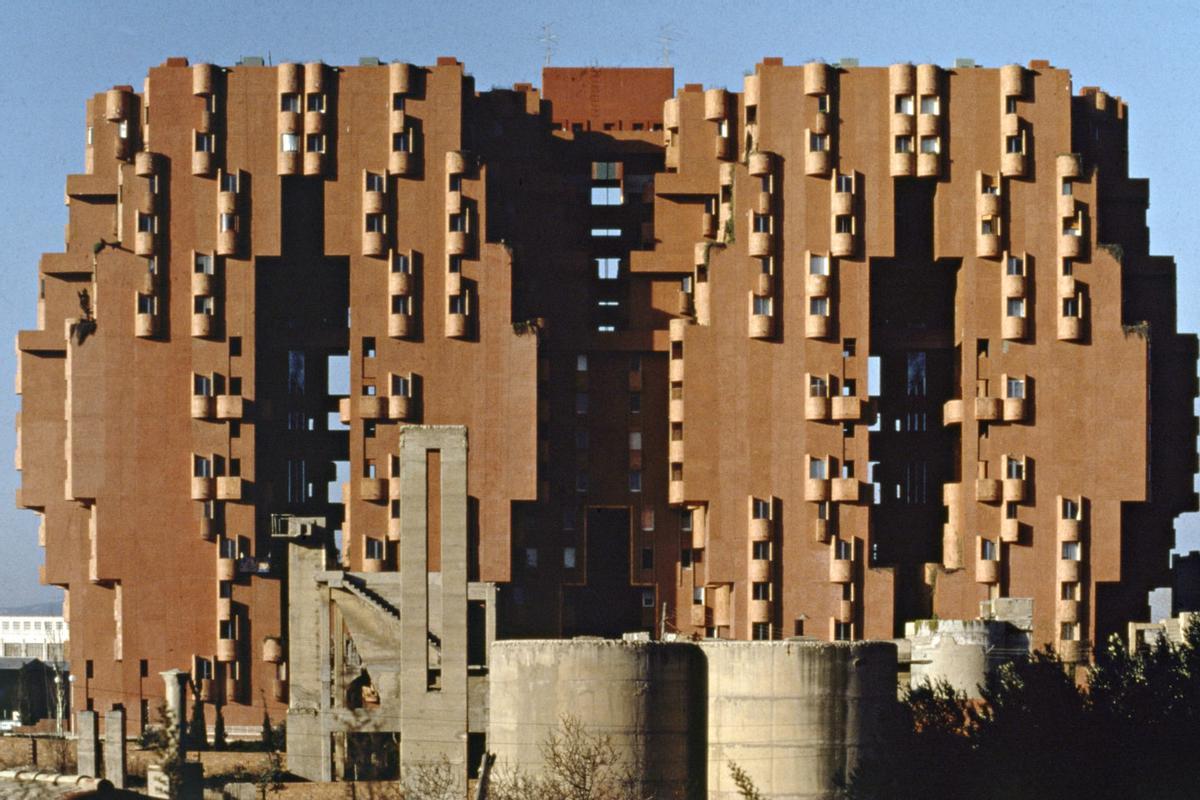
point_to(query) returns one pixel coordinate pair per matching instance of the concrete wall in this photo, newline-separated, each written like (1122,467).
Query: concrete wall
(795,715)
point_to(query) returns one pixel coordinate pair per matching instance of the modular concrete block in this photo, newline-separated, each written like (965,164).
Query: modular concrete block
(87,743)
(114,747)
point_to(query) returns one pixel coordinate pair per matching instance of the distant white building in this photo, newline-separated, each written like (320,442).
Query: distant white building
(39,637)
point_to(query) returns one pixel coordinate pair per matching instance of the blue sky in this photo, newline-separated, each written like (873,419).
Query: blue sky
(53,55)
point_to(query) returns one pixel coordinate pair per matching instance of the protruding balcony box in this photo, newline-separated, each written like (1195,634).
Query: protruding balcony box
(287,163)
(845,490)
(1013,327)
(759,611)
(1015,409)
(820,123)
(759,529)
(1068,530)
(901,79)
(289,78)
(202,406)
(1010,125)
(116,104)
(1012,285)
(345,410)
(700,252)
(951,547)
(144,243)
(456,325)
(227,242)
(456,162)
(902,165)
(708,226)
(952,412)
(816,78)
(203,163)
(816,326)
(847,408)
(675,369)
(987,571)
(675,450)
(817,162)
(402,163)
(314,163)
(202,79)
(230,406)
(1067,570)
(1066,611)
(372,489)
(145,326)
(1067,286)
(399,407)
(229,488)
(372,406)
(144,163)
(273,650)
(1010,530)
(372,202)
(290,122)
(816,490)
(726,172)
(816,408)
(400,283)
(675,492)
(928,164)
(314,77)
(764,284)
(1066,165)
(762,203)
(675,410)
(821,530)
(902,124)
(205,125)
(841,244)
(456,243)
(700,616)
(1066,205)
(203,488)
(987,490)
(314,121)
(841,570)
(1012,80)
(817,285)
(987,205)
(226,569)
(1072,652)
(393,529)
(1070,329)
(928,79)
(758,570)
(374,244)
(759,164)
(454,202)
(841,203)
(1012,165)
(400,326)
(226,650)
(1069,245)
(671,114)
(715,103)
(203,284)
(987,245)
(928,124)
(400,77)
(397,121)
(761,326)
(202,325)
(751,89)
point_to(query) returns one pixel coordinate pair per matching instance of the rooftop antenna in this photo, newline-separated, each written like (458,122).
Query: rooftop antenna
(667,35)
(549,40)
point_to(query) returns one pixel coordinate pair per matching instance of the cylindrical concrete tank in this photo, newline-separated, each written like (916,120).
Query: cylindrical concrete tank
(955,651)
(646,697)
(796,716)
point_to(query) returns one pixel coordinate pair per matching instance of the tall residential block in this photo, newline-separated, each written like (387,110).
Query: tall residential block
(847,348)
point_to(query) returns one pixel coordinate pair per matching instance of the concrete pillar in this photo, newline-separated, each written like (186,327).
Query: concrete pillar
(114,747)
(309,745)
(87,742)
(175,683)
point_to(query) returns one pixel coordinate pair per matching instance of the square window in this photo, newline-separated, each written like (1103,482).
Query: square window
(1015,306)
(647,598)
(227,222)
(375,182)
(760,551)
(1070,307)
(568,558)
(818,306)
(1010,105)
(845,183)
(823,103)
(202,263)
(761,631)
(904,104)
(762,306)
(816,469)
(401,142)
(844,223)
(581,403)
(930,104)
(289,142)
(818,142)
(635,480)
(316,102)
(760,590)
(904,144)
(229,181)
(1015,266)
(400,263)
(1014,144)
(374,549)
(931,145)
(289,102)
(314,143)
(1070,551)
(397,101)
(606,196)
(374,223)
(607,269)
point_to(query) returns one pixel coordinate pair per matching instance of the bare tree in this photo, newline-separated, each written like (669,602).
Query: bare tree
(578,765)
(432,780)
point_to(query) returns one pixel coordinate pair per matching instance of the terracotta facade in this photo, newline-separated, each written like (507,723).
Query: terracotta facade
(849,347)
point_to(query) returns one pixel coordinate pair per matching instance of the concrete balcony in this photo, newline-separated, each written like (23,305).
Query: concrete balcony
(1012,285)
(841,244)
(203,488)
(723,148)
(1012,80)
(456,243)
(1066,206)
(373,202)
(1016,409)
(1069,245)
(847,409)
(763,203)
(456,326)
(226,650)
(759,529)
(987,490)
(902,79)
(453,283)
(841,570)
(1012,165)
(761,244)
(816,408)
(1010,530)
(902,165)
(816,78)
(454,202)
(231,406)
(400,283)
(708,226)
(399,77)
(817,285)
(1066,286)
(145,243)
(373,490)
(202,325)
(402,164)
(203,284)
(1066,165)
(400,326)
(841,203)
(700,616)
(759,164)
(1072,651)
(759,611)
(229,488)
(675,451)
(816,490)
(225,606)
(675,370)
(287,163)
(952,412)
(144,164)
(817,326)
(845,490)
(226,242)
(902,124)
(951,547)
(202,406)
(226,571)
(818,162)
(987,571)
(394,487)
(987,245)
(374,244)
(456,162)
(314,122)
(207,529)
(821,531)
(372,406)
(203,164)
(1013,490)
(758,571)
(988,409)
(1010,124)
(761,326)
(1013,327)
(314,163)
(929,165)
(1068,530)
(675,410)
(272,650)
(1069,329)
(987,204)
(675,492)
(1067,570)
(400,407)
(1066,611)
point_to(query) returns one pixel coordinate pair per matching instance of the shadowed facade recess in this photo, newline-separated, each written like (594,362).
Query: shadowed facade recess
(850,347)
